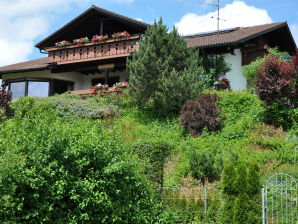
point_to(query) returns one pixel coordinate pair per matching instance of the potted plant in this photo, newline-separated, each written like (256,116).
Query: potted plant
(82,40)
(120,35)
(63,43)
(100,38)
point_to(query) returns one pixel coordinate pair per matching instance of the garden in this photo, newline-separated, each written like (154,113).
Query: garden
(174,147)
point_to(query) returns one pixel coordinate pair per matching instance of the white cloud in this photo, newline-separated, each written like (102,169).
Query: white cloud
(139,19)
(236,14)
(21,22)
(294,31)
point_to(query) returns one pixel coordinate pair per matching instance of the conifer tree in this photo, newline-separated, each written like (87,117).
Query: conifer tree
(164,73)
(241,204)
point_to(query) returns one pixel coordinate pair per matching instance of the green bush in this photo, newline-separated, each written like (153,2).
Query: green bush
(153,157)
(236,105)
(53,171)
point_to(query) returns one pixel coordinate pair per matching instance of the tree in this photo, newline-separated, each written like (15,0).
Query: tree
(164,73)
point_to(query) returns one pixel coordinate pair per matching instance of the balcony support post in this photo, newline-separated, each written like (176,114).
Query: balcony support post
(106,76)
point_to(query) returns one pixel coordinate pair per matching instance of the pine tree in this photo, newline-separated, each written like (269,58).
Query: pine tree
(164,73)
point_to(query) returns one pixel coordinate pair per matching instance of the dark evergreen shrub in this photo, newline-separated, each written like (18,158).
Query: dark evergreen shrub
(202,113)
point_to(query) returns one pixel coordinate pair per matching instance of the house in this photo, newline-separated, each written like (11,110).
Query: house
(77,66)
(242,45)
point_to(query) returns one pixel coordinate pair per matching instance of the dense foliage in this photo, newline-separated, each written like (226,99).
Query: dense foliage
(202,113)
(153,156)
(164,73)
(54,171)
(242,193)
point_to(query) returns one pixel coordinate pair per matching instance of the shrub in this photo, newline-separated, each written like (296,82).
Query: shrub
(80,109)
(241,188)
(204,166)
(236,105)
(275,82)
(202,113)
(276,86)
(5,100)
(52,171)
(164,73)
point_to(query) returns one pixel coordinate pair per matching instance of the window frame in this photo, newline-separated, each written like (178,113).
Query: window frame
(27,80)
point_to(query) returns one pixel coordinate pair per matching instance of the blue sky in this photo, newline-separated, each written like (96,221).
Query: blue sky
(25,22)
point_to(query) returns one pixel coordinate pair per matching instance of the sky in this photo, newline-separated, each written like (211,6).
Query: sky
(23,23)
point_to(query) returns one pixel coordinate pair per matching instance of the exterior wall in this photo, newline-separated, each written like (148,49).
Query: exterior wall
(81,81)
(236,77)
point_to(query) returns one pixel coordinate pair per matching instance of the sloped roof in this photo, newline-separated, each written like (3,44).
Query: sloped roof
(89,11)
(233,36)
(33,65)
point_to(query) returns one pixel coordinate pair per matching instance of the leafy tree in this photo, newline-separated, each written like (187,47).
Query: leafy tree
(202,113)
(215,67)
(164,73)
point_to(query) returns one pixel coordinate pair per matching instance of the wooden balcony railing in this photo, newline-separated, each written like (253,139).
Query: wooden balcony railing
(93,51)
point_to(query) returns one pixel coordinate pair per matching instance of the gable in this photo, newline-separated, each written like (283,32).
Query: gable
(94,21)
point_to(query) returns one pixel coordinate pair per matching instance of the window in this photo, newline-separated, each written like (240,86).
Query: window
(29,87)
(17,89)
(38,89)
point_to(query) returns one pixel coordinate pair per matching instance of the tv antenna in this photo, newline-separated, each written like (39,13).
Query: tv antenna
(217,6)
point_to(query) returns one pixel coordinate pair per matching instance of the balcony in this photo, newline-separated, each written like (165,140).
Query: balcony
(93,51)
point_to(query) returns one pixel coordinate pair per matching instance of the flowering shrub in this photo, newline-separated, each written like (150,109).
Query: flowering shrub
(81,40)
(202,113)
(123,34)
(100,38)
(222,83)
(119,85)
(62,43)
